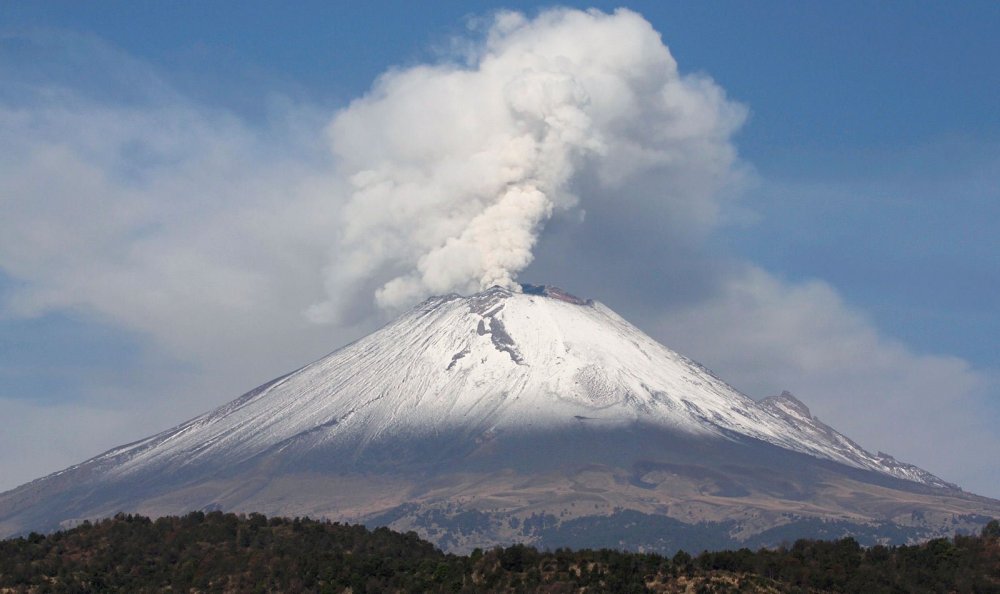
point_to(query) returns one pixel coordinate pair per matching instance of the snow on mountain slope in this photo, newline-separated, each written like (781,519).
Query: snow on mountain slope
(495,361)
(806,427)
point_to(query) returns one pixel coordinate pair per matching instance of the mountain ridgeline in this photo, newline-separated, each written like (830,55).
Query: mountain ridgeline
(515,417)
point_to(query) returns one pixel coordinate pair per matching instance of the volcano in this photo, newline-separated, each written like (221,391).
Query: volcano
(506,416)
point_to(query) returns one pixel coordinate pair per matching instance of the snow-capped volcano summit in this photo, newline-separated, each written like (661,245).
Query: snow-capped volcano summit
(497,361)
(461,400)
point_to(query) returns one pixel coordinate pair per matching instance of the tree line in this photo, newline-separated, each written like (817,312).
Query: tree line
(219,552)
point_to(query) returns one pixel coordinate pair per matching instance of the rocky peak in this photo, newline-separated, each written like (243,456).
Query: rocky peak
(788,404)
(554,292)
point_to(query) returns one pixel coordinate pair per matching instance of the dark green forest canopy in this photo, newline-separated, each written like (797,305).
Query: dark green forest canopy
(218,552)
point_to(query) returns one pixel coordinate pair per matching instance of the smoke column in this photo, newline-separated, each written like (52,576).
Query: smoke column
(455,168)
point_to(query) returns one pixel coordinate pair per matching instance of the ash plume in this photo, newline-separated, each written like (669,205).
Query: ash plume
(455,168)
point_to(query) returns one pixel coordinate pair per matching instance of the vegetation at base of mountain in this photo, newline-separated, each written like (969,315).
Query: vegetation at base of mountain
(634,530)
(217,552)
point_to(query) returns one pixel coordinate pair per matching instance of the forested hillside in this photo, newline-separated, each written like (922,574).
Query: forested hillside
(218,552)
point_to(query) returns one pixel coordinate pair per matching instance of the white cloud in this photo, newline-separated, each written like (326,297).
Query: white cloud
(770,335)
(169,221)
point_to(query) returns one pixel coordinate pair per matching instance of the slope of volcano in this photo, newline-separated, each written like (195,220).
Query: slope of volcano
(513,416)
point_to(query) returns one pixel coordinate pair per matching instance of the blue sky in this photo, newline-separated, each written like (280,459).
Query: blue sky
(869,167)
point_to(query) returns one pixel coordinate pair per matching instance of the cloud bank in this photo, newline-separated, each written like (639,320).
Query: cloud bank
(567,148)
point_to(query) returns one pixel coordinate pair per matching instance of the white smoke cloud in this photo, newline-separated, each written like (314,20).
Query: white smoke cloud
(455,169)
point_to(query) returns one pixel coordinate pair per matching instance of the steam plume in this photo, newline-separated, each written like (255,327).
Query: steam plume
(455,169)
